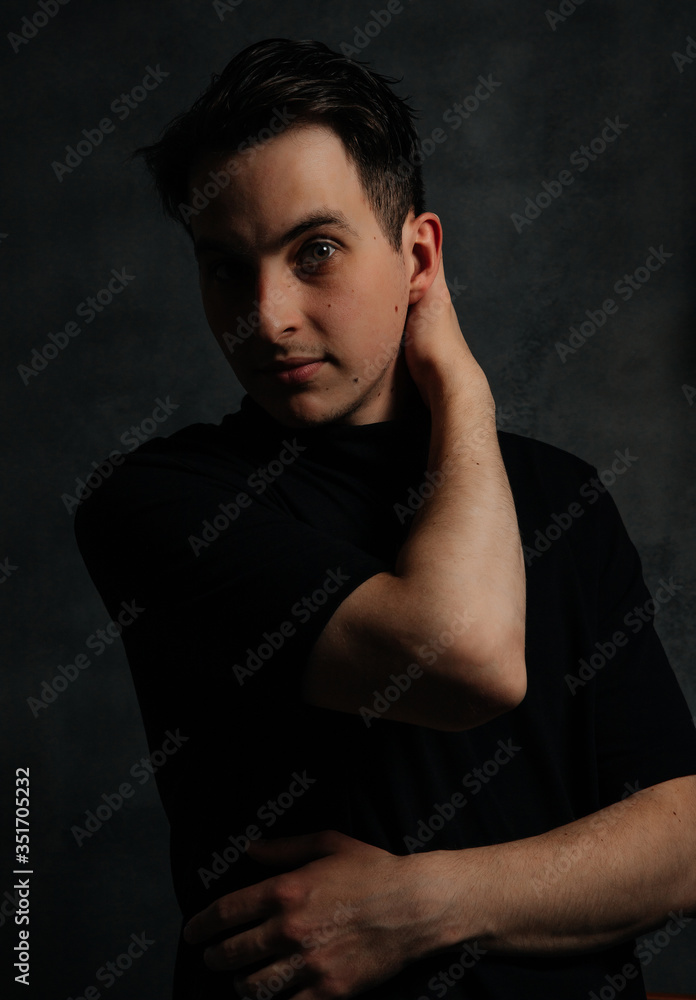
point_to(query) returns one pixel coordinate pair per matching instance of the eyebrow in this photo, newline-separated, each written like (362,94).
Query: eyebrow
(315,220)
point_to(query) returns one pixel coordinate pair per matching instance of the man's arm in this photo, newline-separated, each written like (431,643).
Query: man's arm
(459,577)
(602,879)
(354,915)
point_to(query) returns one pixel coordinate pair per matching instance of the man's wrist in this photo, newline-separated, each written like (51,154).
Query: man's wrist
(465,389)
(437,882)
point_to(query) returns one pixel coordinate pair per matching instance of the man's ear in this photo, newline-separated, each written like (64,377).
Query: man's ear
(423,249)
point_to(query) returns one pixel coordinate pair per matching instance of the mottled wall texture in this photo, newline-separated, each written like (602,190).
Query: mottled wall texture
(539,235)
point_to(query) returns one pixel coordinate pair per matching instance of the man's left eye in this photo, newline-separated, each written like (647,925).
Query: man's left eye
(315,255)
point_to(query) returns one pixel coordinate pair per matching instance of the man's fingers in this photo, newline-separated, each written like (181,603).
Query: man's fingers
(258,901)
(434,304)
(440,285)
(296,850)
(276,978)
(241,950)
(241,907)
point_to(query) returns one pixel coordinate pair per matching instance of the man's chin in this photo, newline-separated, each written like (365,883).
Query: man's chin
(305,410)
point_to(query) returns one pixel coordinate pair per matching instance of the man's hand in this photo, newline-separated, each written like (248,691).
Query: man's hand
(435,350)
(352,916)
(349,918)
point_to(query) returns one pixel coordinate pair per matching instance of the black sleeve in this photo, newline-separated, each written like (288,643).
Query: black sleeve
(201,555)
(644,729)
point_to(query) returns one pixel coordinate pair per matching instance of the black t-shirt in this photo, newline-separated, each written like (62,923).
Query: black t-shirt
(235,543)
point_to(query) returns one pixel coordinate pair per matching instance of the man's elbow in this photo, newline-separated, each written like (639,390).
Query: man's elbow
(513,684)
(491,682)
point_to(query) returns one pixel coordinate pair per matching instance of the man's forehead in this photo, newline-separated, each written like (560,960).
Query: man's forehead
(310,157)
(298,179)
(225,239)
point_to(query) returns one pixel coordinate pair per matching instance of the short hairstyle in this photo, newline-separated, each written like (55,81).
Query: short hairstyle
(310,84)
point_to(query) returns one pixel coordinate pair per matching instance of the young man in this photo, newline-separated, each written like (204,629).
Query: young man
(333,592)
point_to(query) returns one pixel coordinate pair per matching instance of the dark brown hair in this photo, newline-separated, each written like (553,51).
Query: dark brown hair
(303,82)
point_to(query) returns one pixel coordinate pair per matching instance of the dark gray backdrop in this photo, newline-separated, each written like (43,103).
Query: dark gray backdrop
(629,386)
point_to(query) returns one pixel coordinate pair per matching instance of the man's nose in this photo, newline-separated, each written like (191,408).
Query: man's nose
(277,304)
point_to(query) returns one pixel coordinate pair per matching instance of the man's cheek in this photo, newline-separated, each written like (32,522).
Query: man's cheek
(379,353)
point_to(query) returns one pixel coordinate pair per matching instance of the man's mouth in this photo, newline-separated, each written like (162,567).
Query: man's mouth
(293,370)
(286,363)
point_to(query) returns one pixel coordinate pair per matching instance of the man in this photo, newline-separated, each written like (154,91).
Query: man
(333,592)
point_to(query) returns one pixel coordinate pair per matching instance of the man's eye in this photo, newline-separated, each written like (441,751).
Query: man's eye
(224,272)
(221,271)
(316,254)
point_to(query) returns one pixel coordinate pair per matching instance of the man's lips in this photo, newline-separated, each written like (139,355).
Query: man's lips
(293,370)
(287,363)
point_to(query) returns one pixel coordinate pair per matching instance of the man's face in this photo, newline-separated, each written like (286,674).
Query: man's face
(293,266)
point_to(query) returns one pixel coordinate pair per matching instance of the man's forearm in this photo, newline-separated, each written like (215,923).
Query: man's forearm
(463,553)
(594,882)
(455,604)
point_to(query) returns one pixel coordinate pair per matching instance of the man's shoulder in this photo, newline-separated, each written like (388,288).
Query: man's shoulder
(529,461)
(197,447)
(555,490)
(195,443)
(161,468)
(237,440)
